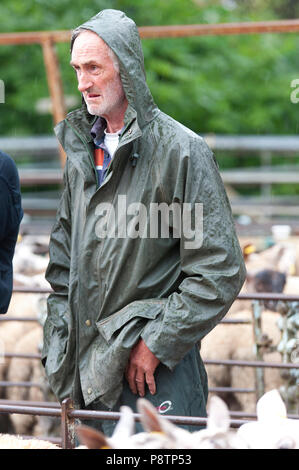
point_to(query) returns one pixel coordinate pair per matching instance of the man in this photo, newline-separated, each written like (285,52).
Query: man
(130,305)
(10,215)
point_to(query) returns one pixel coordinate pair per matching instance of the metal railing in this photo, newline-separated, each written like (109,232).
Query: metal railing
(68,414)
(48,39)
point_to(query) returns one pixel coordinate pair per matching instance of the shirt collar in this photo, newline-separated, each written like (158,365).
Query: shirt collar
(97,130)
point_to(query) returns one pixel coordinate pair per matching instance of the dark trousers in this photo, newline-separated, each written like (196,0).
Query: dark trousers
(181,392)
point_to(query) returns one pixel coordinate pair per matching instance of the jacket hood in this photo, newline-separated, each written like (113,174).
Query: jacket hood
(120,33)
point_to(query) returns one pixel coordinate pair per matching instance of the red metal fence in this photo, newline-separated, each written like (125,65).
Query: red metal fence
(48,39)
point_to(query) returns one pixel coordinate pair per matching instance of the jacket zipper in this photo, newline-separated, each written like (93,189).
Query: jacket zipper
(118,148)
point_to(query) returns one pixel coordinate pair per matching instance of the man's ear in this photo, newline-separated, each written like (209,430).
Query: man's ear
(92,438)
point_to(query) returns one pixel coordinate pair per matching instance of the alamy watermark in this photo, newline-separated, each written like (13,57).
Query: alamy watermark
(157,220)
(2,92)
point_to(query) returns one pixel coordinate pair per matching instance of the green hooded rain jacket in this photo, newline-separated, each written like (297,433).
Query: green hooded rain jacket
(110,291)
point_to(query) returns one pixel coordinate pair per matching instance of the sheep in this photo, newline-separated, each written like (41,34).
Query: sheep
(30,263)
(292,285)
(268,270)
(160,433)
(8,441)
(26,370)
(36,280)
(26,260)
(236,342)
(216,435)
(272,430)
(278,268)
(123,436)
(29,268)
(30,370)
(279,257)
(22,305)
(11,334)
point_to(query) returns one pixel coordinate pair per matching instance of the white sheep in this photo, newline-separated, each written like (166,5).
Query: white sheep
(25,337)
(123,436)
(272,430)
(279,257)
(30,370)
(21,305)
(292,285)
(26,259)
(160,433)
(36,280)
(26,262)
(13,340)
(236,342)
(26,370)
(9,441)
(216,435)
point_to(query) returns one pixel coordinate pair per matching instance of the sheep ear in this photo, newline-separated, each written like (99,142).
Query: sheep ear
(150,419)
(218,414)
(126,424)
(153,422)
(92,438)
(270,406)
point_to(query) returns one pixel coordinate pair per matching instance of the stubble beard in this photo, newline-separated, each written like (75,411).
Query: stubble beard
(111,99)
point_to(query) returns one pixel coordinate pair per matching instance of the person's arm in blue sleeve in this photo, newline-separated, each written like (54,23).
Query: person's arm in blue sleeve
(10,218)
(5,208)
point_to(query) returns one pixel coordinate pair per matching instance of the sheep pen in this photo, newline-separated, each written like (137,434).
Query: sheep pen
(21,335)
(225,341)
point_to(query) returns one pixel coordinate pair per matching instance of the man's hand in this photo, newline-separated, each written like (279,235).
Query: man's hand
(142,365)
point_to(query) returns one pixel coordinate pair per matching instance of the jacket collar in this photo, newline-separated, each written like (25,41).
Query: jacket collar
(84,123)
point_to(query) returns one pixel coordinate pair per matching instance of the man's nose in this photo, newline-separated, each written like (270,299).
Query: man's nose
(84,82)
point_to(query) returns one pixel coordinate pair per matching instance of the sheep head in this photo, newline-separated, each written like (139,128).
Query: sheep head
(272,430)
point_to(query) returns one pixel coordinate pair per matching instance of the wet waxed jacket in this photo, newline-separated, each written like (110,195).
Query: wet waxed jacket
(110,291)
(11,214)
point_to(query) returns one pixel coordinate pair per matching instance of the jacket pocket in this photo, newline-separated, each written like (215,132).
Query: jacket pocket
(55,346)
(147,309)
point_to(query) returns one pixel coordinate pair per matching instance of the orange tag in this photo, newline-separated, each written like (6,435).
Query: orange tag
(99,158)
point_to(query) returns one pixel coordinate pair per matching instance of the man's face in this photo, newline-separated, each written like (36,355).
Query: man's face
(98,80)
